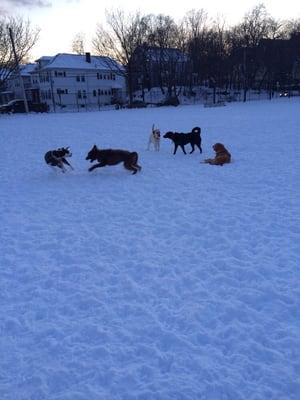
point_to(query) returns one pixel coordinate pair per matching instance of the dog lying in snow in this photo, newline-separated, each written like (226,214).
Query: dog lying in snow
(154,139)
(222,155)
(57,158)
(113,157)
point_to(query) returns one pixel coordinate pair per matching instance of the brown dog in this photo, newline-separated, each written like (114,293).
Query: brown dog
(222,155)
(113,157)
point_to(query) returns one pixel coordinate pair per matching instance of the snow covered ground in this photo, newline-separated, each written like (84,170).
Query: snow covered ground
(181,282)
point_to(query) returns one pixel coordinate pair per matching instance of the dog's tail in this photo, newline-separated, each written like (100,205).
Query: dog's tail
(196,130)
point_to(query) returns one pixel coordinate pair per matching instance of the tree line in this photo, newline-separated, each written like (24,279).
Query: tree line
(257,53)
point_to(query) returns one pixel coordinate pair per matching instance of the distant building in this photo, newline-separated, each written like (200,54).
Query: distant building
(281,60)
(159,67)
(79,81)
(13,88)
(69,81)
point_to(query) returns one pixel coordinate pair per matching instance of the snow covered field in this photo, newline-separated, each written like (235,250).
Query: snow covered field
(181,282)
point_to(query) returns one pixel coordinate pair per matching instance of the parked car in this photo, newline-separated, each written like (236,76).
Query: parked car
(18,106)
(284,94)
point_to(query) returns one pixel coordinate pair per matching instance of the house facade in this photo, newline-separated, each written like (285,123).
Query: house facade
(69,82)
(80,82)
(30,80)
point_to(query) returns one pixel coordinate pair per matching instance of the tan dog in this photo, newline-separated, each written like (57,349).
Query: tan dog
(154,139)
(222,155)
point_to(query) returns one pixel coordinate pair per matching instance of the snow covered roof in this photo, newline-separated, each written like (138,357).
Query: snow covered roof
(44,58)
(167,54)
(162,54)
(78,61)
(27,69)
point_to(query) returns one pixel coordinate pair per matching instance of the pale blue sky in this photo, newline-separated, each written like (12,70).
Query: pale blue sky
(59,20)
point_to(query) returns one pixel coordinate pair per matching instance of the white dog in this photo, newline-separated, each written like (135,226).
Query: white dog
(154,139)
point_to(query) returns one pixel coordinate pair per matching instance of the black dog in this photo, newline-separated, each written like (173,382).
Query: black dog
(57,158)
(181,139)
(114,157)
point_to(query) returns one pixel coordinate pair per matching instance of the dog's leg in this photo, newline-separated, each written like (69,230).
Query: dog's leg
(63,170)
(131,167)
(183,149)
(193,148)
(61,166)
(101,164)
(67,163)
(175,148)
(53,168)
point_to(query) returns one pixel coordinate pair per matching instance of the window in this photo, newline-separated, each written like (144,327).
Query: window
(79,94)
(59,73)
(94,93)
(78,78)
(62,91)
(82,78)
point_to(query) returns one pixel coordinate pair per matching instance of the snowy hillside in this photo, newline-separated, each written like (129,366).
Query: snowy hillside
(178,283)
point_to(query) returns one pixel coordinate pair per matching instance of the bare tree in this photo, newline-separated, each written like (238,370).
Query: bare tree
(24,37)
(195,25)
(254,27)
(165,48)
(292,28)
(118,42)
(78,43)
(246,37)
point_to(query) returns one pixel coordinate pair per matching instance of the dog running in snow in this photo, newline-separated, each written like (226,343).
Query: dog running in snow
(181,139)
(222,155)
(57,158)
(114,157)
(154,139)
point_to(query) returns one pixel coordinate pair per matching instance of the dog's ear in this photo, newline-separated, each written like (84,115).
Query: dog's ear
(153,128)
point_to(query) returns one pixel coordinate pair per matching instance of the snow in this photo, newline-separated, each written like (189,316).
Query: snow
(180,282)
(77,61)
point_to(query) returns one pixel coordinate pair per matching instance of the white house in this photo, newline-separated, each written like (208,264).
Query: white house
(30,80)
(72,81)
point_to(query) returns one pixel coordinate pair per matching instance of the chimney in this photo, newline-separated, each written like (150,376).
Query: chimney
(88,57)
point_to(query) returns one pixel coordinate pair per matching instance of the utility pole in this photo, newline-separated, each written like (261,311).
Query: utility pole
(18,69)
